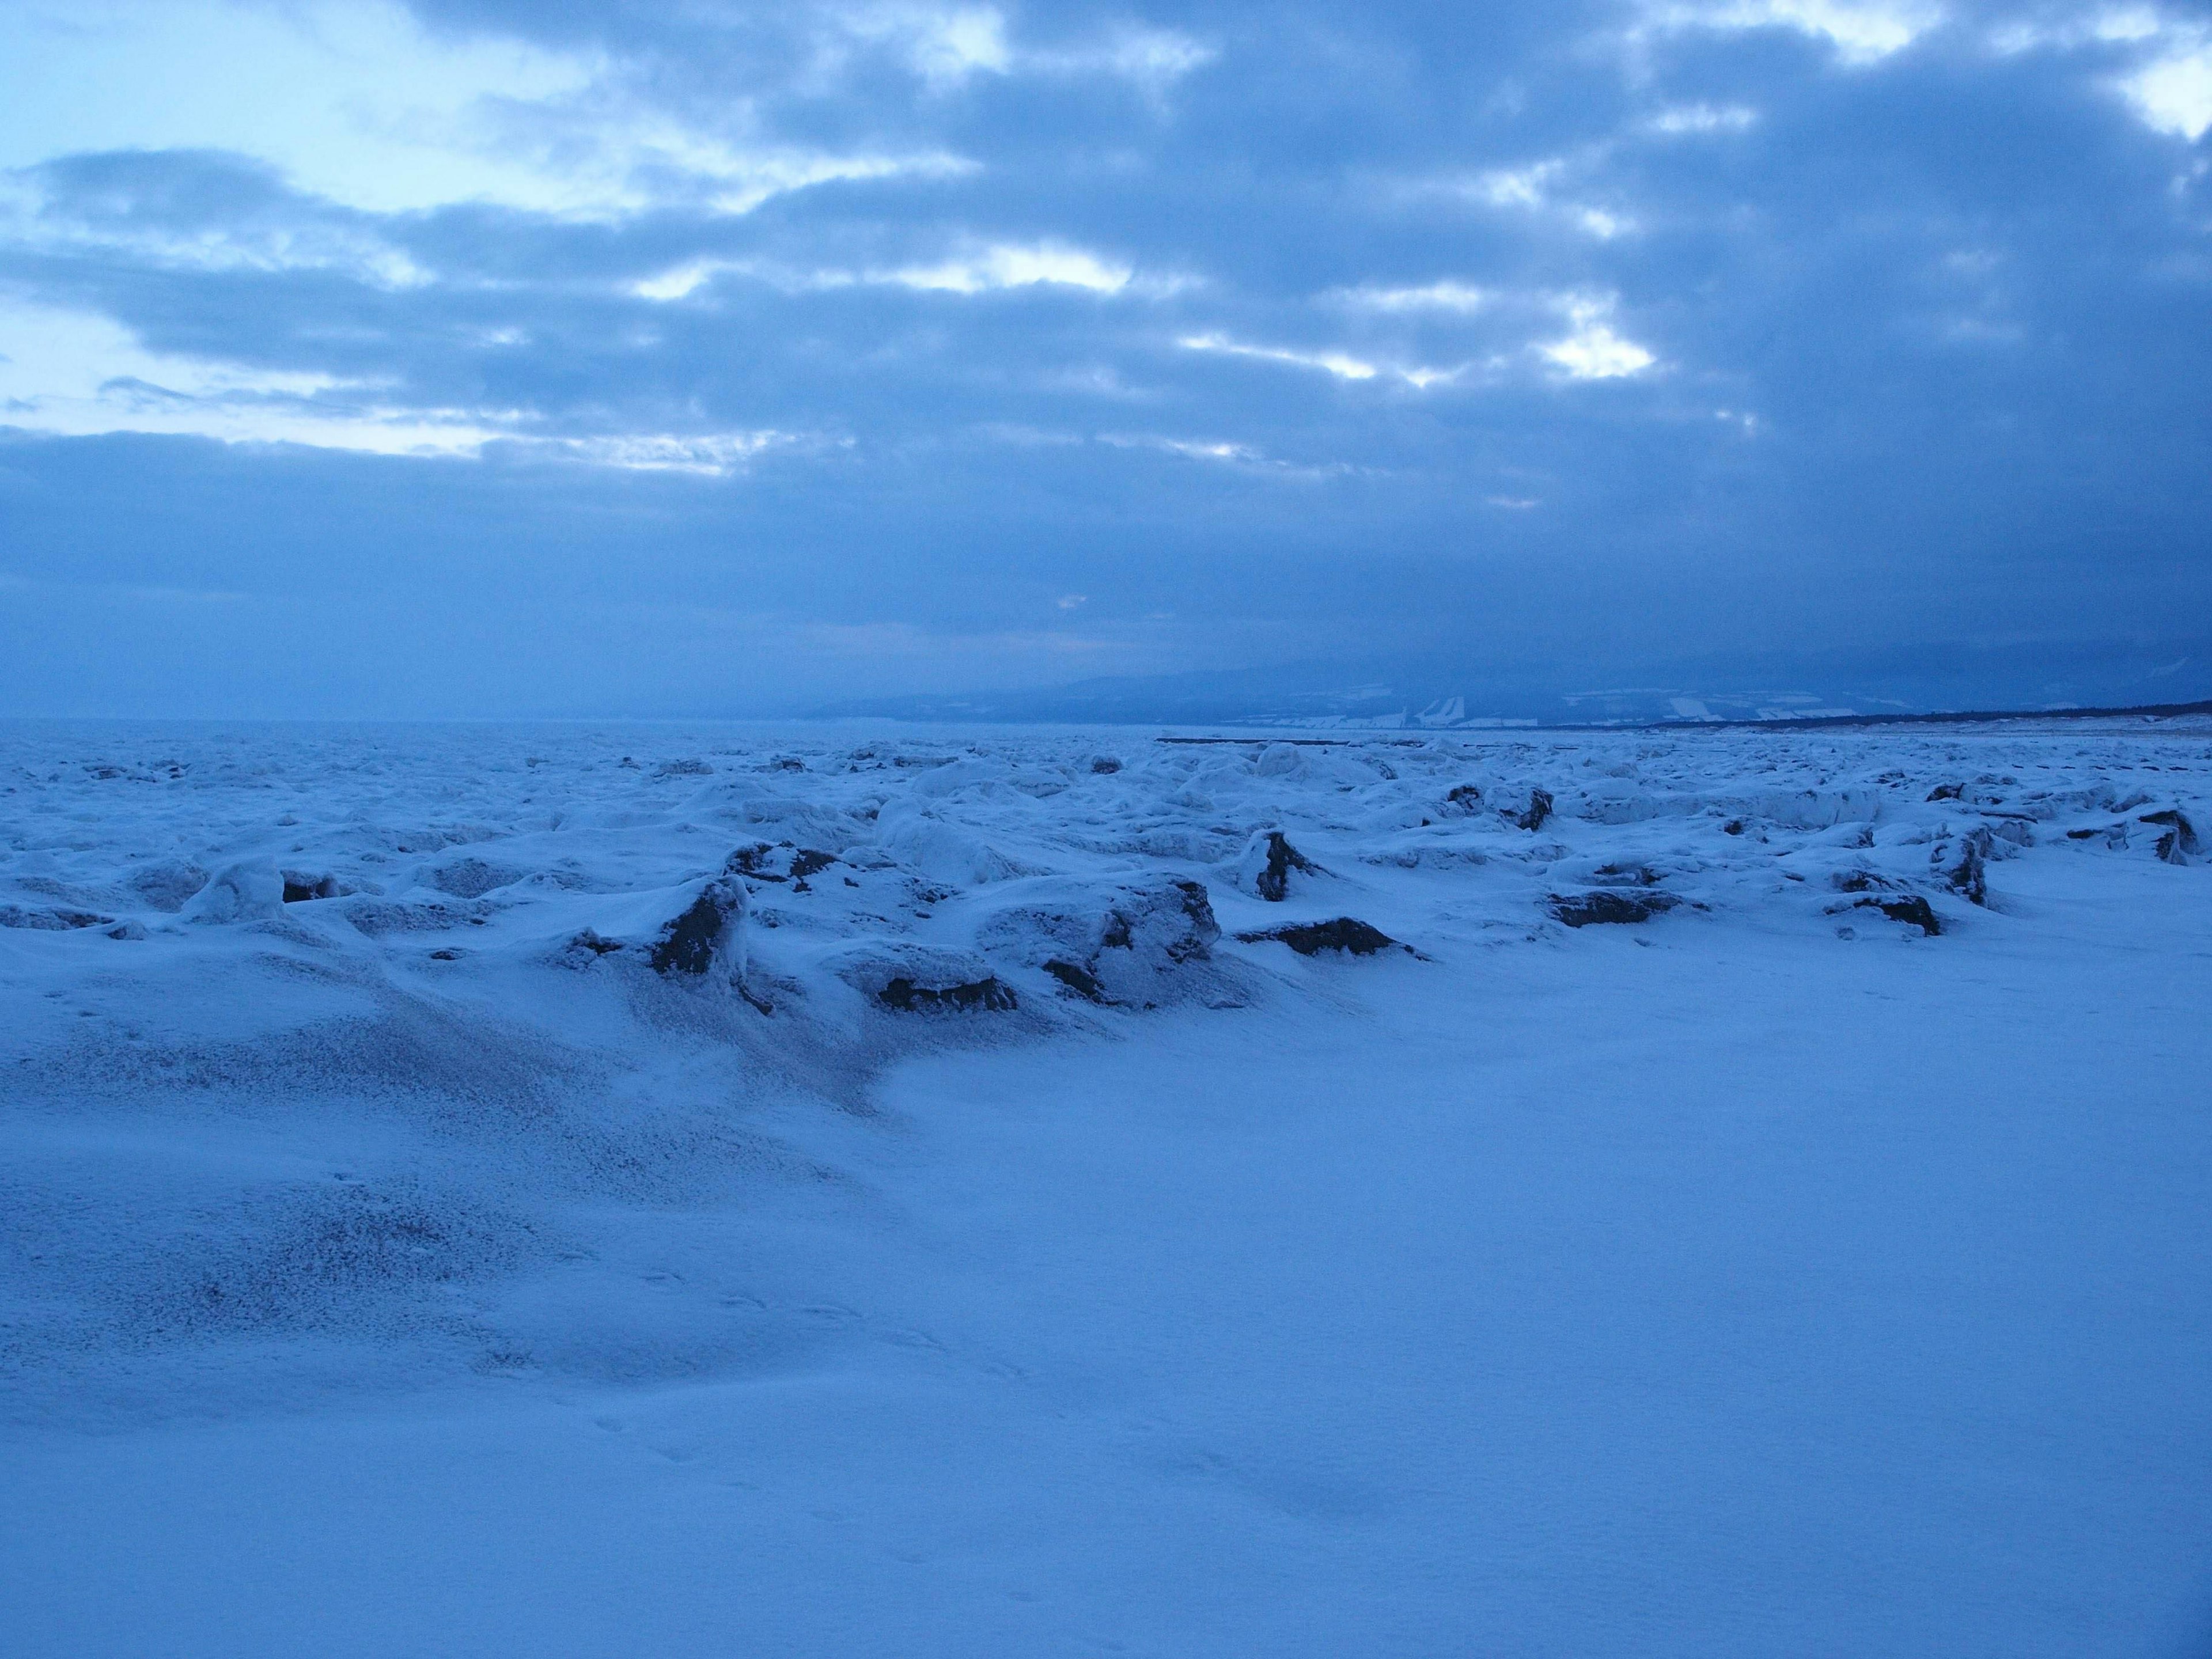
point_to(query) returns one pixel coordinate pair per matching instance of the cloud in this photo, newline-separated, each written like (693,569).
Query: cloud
(1446,296)
(2174,91)
(1591,350)
(1015,267)
(1862,31)
(852,317)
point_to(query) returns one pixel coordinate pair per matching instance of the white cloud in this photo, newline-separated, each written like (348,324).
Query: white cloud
(2173,94)
(1531,187)
(980,271)
(1342,365)
(1591,350)
(944,44)
(713,453)
(76,375)
(354,101)
(1336,362)
(2170,85)
(1011,266)
(243,245)
(1687,118)
(1517,186)
(1188,448)
(1445,296)
(1153,59)
(1862,31)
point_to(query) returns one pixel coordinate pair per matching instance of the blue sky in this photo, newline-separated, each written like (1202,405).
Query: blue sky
(479,357)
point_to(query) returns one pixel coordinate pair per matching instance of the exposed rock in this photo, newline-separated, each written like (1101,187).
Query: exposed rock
(1606,904)
(708,930)
(1538,809)
(784,861)
(1345,933)
(1464,798)
(1947,792)
(1269,860)
(1078,979)
(922,979)
(989,993)
(2180,841)
(1142,943)
(1911,908)
(1104,765)
(1961,866)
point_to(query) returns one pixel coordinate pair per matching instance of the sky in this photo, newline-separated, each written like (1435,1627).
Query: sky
(486,357)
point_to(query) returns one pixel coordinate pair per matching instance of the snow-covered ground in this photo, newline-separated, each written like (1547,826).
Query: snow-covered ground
(560,1191)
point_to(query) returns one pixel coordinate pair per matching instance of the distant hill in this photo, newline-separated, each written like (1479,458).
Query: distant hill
(1442,694)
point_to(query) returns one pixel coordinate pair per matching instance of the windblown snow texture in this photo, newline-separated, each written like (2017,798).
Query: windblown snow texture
(567,1191)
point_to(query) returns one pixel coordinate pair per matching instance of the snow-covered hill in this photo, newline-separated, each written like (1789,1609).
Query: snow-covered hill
(562,1190)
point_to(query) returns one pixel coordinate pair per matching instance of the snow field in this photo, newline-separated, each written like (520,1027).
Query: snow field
(387,1269)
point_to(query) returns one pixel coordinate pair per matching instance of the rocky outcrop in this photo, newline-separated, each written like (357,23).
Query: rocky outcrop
(709,931)
(1607,905)
(1345,934)
(1268,862)
(2179,844)
(1136,944)
(1532,816)
(917,979)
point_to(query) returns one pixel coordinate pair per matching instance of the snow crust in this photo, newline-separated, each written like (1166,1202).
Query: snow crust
(566,1190)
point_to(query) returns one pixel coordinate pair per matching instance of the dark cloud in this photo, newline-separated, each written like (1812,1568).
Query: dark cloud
(1917,343)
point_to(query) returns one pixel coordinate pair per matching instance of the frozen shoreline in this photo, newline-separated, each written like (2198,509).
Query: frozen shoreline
(1710,1284)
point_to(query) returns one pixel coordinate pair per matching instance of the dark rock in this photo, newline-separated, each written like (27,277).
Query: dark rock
(1269,862)
(1964,869)
(1104,765)
(1912,909)
(1608,905)
(1142,944)
(2180,841)
(1079,980)
(1947,792)
(992,993)
(1539,808)
(1733,827)
(1346,933)
(690,943)
(755,861)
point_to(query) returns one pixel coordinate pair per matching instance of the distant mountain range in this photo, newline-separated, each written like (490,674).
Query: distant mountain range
(1443,695)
